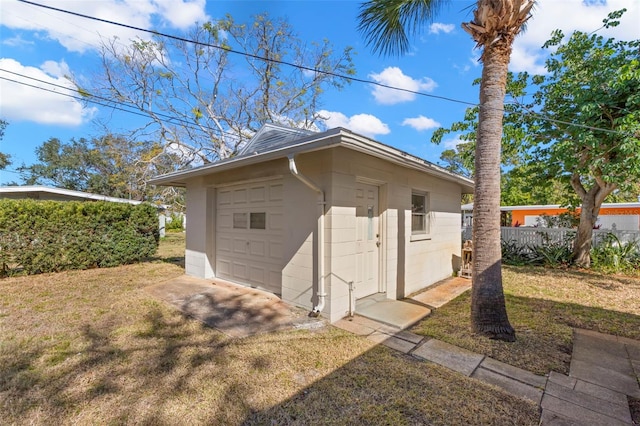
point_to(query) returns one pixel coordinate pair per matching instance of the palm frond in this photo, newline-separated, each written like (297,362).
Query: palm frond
(387,24)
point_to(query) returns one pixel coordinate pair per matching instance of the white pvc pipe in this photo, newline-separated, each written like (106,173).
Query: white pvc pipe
(321,203)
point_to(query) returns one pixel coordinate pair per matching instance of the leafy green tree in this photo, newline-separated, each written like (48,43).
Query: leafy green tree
(204,99)
(386,24)
(108,165)
(588,127)
(4,158)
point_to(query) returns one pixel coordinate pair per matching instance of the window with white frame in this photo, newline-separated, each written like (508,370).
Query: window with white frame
(419,213)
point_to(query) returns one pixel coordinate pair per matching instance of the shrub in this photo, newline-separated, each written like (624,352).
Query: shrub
(174,223)
(614,256)
(49,236)
(515,254)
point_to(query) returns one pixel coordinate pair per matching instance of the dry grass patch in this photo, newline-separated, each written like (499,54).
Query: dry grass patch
(544,305)
(92,347)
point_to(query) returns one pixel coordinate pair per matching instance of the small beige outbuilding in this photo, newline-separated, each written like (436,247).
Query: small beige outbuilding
(322,219)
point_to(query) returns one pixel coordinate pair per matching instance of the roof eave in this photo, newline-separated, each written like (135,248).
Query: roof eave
(331,138)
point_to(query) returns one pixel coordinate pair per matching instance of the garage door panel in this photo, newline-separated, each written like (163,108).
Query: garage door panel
(275,222)
(257,274)
(225,198)
(240,196)
(239,270)
(224,244)
(225,221)
(250,251)
(224,267)
(257,195)
(275,192)
(240,246)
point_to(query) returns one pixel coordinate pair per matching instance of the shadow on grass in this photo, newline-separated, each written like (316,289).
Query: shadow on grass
(385,387)
(544,330)
(156,366)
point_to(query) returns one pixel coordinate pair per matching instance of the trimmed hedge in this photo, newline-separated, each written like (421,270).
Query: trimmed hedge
(50,236)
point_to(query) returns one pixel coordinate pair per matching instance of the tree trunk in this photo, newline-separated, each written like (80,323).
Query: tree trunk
(582,243)
(488,310)
(591,202)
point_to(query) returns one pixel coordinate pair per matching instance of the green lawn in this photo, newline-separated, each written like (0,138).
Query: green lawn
(544,305)
(91,347)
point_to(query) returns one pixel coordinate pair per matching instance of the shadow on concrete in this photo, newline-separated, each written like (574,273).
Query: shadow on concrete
(235,310)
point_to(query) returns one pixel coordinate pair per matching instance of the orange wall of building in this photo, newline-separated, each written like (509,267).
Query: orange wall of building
(517,216)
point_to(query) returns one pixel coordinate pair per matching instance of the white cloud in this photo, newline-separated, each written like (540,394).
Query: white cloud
(24,103)
(569,16)
(17,41)
(438,27)
(79,34)
(452,143)
(364,124)
(182,13)
(56,69)
(394,77)
(421,123)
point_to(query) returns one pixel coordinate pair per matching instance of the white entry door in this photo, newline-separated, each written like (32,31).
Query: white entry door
(367,240)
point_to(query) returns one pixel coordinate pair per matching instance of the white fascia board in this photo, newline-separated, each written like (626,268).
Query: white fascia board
(312,143)
(331,138)
(386,152)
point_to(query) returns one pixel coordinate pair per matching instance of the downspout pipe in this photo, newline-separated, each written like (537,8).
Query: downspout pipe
(321,207)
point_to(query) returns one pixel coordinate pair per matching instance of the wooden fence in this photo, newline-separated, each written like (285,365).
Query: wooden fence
(528,236)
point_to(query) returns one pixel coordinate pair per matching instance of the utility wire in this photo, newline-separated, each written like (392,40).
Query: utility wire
(305,68)
(99,103)
(249,55)
(168,118)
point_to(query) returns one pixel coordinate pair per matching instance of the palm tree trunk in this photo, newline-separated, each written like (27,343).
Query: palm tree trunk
(488,311)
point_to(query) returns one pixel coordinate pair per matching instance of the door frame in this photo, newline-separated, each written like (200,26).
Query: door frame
(382,228)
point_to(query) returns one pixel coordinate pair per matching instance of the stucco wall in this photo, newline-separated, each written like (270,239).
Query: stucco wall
(406,266)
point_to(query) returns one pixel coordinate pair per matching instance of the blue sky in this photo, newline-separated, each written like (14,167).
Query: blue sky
(48,45)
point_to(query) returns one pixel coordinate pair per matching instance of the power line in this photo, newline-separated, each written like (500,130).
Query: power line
(112,104)
(250,55)
(169,119)
(306,68)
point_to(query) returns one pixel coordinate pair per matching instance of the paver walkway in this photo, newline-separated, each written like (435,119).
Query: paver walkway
(515,380)
(604,369)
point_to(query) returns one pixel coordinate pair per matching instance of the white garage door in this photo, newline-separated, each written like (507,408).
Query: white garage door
(249,234)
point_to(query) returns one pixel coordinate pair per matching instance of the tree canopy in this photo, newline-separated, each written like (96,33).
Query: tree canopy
(207,93)
(587,128)
(108,165)
(576,140)
(4,158)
